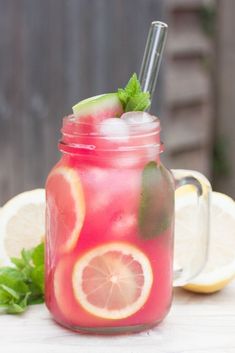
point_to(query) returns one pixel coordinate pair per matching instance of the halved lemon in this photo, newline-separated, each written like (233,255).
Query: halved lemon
(65,208)
(220,267)
(112,281)
(22,223)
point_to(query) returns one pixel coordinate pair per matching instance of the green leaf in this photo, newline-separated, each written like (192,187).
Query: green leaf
(4,297)
(11,292)
(157,201)
(27,256)
(13,278)
(38,277)
(27,272)
(139,102)
(15,308)
(18,307)
(38,255)
(10,273)
(133,86)
(23,284)
(123,96)
(19,263)
(33,300)
(132,97)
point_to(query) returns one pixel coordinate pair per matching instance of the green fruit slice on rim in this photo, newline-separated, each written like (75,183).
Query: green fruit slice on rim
(99,107)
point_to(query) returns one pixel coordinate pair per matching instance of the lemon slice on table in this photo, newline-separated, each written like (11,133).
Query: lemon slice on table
(22,224)
(220,267)
(112,281)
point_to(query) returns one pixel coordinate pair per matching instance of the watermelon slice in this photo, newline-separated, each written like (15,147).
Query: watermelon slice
(98,108)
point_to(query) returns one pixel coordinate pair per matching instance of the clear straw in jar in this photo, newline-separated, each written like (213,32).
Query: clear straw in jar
(152,56)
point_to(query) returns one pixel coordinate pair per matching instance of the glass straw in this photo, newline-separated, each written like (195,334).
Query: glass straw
(152,56)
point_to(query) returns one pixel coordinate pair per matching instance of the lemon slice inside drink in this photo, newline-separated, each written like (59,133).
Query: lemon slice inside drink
(65,208)
(112,281)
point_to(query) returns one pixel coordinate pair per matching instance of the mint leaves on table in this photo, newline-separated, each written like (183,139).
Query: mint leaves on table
(22,284)
(157,201)
(132,97)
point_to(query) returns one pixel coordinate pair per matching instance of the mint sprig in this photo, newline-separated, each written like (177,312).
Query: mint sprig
(132,97)
(156,202)
(22,284)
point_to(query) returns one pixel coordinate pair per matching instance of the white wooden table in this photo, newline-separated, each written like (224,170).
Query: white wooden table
(195,324)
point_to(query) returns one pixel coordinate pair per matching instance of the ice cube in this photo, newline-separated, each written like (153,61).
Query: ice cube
(138,118)
(115,129)
(100,201)
(124,225)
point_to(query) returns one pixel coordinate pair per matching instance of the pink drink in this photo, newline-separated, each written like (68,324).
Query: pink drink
(109,230)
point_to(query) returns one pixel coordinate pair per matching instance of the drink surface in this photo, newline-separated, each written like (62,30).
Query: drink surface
(109,228)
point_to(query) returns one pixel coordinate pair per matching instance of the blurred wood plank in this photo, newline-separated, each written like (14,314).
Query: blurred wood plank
(196,159)
(225,92)
(186,82)
(36,90)
(188,4)
(193,123)
(11,98)
(190,43)
(6,180)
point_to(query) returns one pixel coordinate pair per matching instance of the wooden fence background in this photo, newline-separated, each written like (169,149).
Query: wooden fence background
(56,52)
(188,117)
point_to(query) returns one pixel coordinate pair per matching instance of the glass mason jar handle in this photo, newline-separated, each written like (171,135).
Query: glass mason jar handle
(190,263)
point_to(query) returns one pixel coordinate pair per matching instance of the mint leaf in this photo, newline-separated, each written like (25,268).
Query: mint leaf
(156,202)
(19,308)
(4,297)
(26,256)
(38,255)
(13,279)
(38,277)
(36,299)
(132,97)
(19,263)
(133,86)
(15,309)
(139,102)
(23,283)
(10,292)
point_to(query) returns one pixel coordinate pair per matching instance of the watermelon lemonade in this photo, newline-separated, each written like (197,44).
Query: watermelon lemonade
(110,218)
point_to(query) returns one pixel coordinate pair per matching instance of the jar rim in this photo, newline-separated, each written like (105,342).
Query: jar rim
(80,134)
(134,129)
